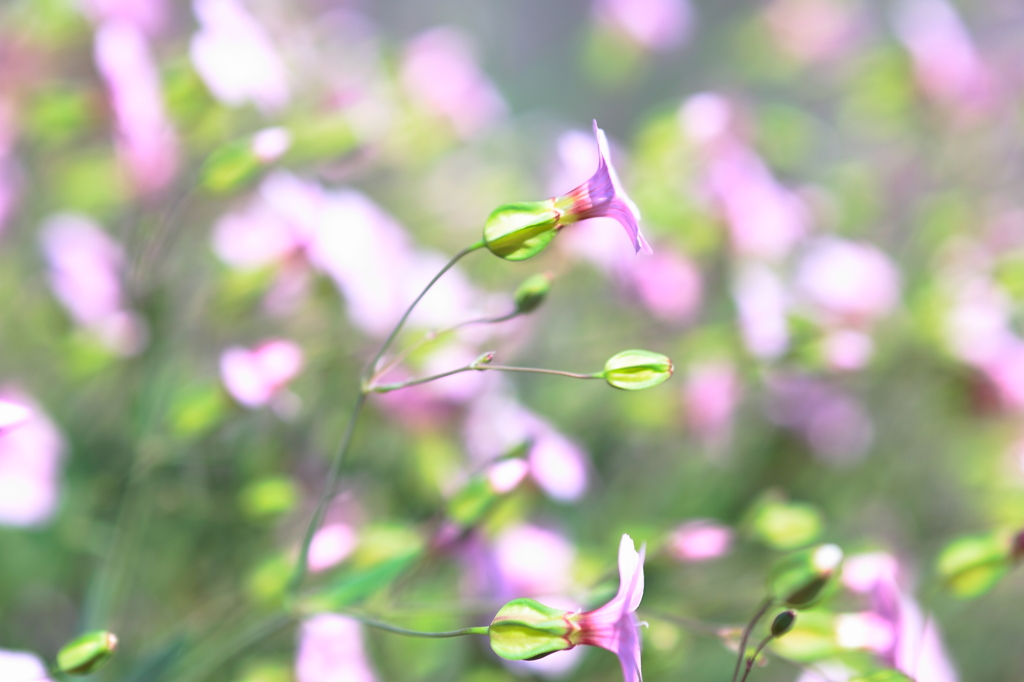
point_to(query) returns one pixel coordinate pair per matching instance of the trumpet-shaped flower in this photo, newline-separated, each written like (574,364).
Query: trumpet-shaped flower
(526,630)
(522,230)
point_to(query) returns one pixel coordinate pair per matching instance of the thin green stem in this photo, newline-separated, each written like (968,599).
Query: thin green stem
(369,622)
(326,495)
(434,335)
(387,388)
(765,605)
(537,370)
(757,652)
(476,367)
(372,367)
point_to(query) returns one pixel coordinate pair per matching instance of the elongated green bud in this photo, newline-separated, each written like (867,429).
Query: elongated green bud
(522,230)
(800,580)
(783,623)
(633,370)
(524,630)
(86,654)
(972,565)
(532,292)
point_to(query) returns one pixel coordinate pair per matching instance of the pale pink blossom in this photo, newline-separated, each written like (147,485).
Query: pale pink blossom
(146,141)
(85,267)
(533,561)
(505,475)
(669,286)
(848,282)
(653,24)
(946,61)
(331,649)
(496,423)
(30,455)
(834,424)
(812,30)
(847,349)
(255,377)
(711,395)
(270,144)
(13,414)
(440,73)
(331,545)
(22,666)
(700,540)
(149,16)
(706,117)
(761,302)
(866,630)
(614,626)
(235,57)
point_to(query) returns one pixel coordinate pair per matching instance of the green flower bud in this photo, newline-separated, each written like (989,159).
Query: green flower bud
(86,654)
(783,623)
(522,230)
(526,630)
(884,676)
(800,580)
(971,566)
(633,370)
(532,293)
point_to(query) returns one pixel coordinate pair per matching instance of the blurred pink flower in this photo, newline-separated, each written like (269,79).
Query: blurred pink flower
(331,545)
(866,630)
(669,286)
(848,282)
(235,58)
(31,450)
(812,30)
(710,396)
(700,540)
(834,424)
(654,24)
(85,275)
(762,306)
(441,74)
(847,349)
(254,377)
(533,562)
(946,61)
(149,16)
(146,141)
(12,414)
(22,666)
(505,475)
(496,423)
(269,144)
(614,626)
(331,649)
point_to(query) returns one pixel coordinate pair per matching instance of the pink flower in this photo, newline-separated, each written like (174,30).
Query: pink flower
(532,562)
(331,545)
(150,16)
(812,30)
(700,540)
(440,72)
(235,58)
(849,282)
(602,196)
(254,377)
(31,449)
(710,396)
(668,285)
(146,141)
(614,626)
(654,24)
(331,649)
(22,666)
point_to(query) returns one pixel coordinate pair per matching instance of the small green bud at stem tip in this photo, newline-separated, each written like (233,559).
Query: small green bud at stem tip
(783,623)
(86,654)
(532,292)
(633,370)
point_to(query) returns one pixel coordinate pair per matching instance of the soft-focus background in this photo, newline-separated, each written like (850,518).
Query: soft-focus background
(211,213)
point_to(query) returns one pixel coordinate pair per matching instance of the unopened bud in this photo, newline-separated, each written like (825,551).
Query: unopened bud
(800,580)
(484,359)
(525,630)
(532,292)
(86,654)
(783,623)
(633,370)
(522,230)
(972,565)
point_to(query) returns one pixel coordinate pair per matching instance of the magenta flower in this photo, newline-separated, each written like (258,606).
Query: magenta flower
(255,377)
(614,626)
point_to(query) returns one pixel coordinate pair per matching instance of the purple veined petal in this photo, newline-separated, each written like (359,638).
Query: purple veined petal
(621,207)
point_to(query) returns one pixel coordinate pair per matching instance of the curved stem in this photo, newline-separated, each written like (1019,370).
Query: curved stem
(369,622)
(434,335)
(387,388)
(765,605)
(757,652)
(372,367)
(325,496)
(537,370)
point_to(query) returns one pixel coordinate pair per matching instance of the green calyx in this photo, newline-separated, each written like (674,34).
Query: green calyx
(86,654)
(524,630)
(633,370)
(521,230)
(803,579)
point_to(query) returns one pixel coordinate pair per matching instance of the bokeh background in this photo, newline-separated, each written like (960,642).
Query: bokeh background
(211,214)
